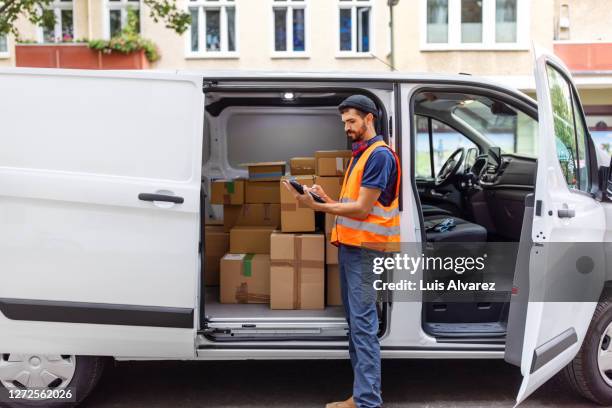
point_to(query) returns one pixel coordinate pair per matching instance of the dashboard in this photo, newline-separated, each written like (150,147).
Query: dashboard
(509,171)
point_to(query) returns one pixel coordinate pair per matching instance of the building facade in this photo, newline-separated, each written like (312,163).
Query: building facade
(491,38)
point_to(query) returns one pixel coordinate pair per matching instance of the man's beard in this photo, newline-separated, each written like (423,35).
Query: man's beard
(358,135)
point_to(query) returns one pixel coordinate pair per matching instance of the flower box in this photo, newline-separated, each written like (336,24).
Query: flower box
(77,56)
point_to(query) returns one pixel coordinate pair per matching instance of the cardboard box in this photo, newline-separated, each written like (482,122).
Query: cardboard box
(302,166)
(261,192)
(245,278)
(331,185)
(250,240)
(331,251)
(297,272)
(295,217)
(332,162)
(251,215)
(216,244)
(266,171)
(227,192)
(334,295)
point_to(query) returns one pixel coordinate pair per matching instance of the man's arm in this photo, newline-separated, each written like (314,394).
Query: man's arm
(358,209)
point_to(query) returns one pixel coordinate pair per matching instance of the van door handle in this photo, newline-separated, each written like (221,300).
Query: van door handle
(566,213)
(161,197)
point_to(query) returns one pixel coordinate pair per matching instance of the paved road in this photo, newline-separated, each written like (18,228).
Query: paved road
(406,383)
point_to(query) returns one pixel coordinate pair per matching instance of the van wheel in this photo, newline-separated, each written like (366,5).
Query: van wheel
(590,373)
(53,375)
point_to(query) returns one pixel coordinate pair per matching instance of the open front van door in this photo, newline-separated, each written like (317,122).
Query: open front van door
(99,213)
(566,265)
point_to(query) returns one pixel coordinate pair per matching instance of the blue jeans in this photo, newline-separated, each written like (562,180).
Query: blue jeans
(359,299)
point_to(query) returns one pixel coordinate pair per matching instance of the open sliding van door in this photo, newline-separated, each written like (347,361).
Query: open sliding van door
(566,264)
(99,213)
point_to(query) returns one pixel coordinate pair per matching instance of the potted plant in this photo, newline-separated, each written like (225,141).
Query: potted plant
(127,48)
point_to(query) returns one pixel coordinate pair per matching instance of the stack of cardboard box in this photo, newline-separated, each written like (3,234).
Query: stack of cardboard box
(252,260)
(216,244)
(216,237)
(245,270)
(298,252)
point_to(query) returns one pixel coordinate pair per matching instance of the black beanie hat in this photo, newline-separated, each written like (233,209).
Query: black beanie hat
(359,102)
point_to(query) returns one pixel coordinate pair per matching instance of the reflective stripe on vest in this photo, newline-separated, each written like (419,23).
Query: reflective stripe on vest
(367,226)
(377,211)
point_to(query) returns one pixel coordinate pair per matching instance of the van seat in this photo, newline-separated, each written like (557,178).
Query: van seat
(463,231)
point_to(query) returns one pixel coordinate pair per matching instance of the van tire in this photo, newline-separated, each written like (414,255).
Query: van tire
(582,374)
(87,373)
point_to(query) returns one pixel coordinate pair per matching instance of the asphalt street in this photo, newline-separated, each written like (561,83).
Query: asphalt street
(406,383)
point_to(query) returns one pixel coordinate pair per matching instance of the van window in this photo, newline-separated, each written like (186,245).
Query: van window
(444,141)
(423,152)
(104,126)
(570,132)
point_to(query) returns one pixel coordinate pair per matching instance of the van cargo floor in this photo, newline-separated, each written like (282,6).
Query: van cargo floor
(218,311)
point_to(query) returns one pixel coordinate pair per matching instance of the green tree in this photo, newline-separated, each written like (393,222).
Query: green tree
(33,10)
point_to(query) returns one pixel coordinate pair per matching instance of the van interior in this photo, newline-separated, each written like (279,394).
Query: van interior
(474,164)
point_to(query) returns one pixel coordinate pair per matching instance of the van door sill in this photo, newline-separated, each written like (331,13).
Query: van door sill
(466,330)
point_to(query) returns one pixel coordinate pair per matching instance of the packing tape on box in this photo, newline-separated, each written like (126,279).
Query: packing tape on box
(297,264)
(243,295)
(247,265)
(229,188)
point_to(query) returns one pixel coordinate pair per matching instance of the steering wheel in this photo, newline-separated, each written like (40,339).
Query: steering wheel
(449,170)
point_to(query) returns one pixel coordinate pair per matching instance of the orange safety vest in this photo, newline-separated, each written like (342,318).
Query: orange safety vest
(382,225)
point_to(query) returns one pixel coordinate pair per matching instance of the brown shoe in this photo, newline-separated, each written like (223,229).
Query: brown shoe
(349,403)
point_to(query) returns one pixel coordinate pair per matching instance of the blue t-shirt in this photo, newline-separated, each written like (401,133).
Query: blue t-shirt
(380,171)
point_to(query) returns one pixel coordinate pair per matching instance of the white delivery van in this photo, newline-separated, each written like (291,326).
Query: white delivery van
(104,180)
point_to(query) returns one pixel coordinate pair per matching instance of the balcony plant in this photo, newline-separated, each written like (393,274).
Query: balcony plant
(128,41)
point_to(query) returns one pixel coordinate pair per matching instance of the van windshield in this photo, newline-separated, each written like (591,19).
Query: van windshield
(501,124)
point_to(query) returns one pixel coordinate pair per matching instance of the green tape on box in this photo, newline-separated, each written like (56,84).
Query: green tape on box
(247,265)
(230,187)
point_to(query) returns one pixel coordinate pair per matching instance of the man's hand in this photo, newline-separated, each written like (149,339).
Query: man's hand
(318,190)
(304,199)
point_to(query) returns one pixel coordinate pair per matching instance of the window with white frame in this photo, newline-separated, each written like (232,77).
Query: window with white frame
(213,27)
(117,15)
(63,29)
(289,26)
(3,45)
(355,26)
(475,24)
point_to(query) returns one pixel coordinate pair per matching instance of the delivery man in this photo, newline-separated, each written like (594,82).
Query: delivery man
(367,213)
